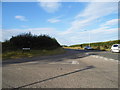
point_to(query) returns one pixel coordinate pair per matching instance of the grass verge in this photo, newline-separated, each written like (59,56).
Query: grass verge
(102,49)
(72,48)
(32,53)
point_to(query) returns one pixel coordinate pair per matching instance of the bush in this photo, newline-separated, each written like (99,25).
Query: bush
(28,40)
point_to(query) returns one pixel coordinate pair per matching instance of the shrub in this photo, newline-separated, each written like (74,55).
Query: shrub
(27,40)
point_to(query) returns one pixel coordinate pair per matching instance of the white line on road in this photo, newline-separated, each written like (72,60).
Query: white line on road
(75,62)
(70,62)
(106,59)
(87,53)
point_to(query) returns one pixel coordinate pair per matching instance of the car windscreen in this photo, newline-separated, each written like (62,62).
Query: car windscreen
(115,45)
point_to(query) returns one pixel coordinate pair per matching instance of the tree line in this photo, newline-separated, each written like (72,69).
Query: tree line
(27,40)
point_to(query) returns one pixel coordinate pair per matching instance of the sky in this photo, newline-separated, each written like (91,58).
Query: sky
(69,22)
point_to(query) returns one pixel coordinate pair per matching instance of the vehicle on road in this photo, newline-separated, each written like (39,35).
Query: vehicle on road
(88,48)
(115,48)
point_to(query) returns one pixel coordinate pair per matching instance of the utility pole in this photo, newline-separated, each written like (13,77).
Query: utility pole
(89,37)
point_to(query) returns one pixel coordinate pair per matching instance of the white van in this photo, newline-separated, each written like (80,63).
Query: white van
(115,48)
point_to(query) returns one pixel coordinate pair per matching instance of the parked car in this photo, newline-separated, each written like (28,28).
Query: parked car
(88,48)
(115,48)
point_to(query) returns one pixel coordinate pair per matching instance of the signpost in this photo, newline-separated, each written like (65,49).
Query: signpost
(26,49)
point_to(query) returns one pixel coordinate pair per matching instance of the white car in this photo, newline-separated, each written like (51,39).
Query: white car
(115,48)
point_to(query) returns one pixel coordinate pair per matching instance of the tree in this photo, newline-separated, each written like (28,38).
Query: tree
(27,40)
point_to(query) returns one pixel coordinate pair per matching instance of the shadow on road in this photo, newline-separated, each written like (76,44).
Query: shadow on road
(86,68)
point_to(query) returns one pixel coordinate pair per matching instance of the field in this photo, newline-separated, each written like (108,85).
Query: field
(97,46)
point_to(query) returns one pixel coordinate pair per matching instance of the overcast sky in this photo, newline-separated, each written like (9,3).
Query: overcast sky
(69,22)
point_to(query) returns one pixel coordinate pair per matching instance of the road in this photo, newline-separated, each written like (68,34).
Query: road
(106,54)
(74,69)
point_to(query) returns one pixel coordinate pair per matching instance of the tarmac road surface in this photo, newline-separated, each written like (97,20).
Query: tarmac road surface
(106,54)
(74,69)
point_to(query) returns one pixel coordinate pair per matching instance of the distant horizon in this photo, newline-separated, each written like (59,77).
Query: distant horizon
(70,23)
(94,42)
(78,43)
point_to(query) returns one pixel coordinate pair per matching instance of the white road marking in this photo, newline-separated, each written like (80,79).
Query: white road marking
(87,53)
(75,62)
(101,57)
(106,59)
(70,62)
(111,59)
(97,56)
(77,69)
(93,55)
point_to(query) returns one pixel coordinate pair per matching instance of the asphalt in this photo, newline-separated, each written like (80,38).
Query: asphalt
(74,69)
(106,54)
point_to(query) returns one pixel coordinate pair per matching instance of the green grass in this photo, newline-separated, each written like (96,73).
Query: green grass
(32,53)
(99,45)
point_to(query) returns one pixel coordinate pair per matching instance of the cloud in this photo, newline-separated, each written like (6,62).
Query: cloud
(54,20)
(96,35)
(111,22)
(77,37)
(8,33)
(75,34)
(0,34)
(99,9)
(104,30)
(21,18)
(101,1)
(50,7)
(91,14)
(87,18)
